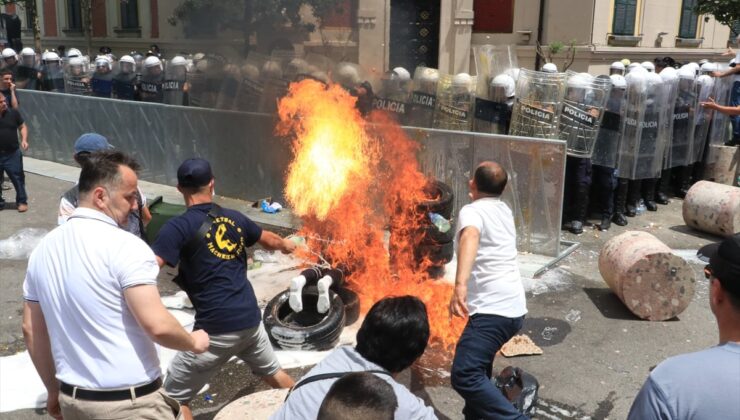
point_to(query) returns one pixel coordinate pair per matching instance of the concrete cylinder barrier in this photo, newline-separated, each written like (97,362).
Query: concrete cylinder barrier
(713,208)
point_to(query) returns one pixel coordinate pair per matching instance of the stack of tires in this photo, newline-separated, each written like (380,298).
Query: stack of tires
(433,244)
(309,329)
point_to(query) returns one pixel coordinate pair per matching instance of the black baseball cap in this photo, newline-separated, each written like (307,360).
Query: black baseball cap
(724,262)
(194,172)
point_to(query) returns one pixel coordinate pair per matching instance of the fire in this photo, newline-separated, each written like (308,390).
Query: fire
(350,178)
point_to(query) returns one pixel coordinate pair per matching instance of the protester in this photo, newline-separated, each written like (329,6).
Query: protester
(705,384)
(210,244)
(8,89)
(734,72)
(727,110)
(84,146)
(488,290)
(92,311)
(392,337)
(11,156)
(359,395)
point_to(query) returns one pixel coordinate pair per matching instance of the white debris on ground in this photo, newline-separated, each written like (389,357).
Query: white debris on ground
(689,255)
(20,244)
(555,280)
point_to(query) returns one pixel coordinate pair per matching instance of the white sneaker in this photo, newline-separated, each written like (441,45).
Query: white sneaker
(296,290)
(322,306)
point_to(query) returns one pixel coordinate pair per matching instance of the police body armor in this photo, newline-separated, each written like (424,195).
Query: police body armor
(77,83)
(102,84)
(455,101)
(640,151)
(580,115)
(124,86)
(537,105)
(150,88)
(606,147)
(423,98)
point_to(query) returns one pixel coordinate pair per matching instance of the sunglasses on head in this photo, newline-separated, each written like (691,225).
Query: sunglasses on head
(708,271)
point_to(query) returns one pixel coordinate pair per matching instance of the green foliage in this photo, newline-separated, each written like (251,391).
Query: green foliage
(555,47)
(726,12)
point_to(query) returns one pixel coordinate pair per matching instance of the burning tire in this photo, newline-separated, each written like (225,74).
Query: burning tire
(440,254)
(305,330)
(441,201)
(351,305)
(432,235)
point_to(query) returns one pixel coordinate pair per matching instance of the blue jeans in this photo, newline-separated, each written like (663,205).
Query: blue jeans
(12,164)
(471,369)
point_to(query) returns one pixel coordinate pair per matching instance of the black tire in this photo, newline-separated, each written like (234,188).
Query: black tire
(306,330)
(442,201)
(437,253)
(351,305)
(431,235)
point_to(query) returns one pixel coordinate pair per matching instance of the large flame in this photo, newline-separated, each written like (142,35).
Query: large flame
(350,179)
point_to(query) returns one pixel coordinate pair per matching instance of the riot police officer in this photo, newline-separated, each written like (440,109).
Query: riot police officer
(28,73)
(124,82)
(102,79)
(175,85)
(52,75)
(152,77)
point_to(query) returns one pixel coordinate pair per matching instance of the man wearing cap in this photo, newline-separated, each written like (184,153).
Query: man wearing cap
(705,384)
(84,146)
(209,243)
(11,156)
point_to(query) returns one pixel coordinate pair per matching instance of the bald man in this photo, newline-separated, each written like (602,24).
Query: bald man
(488,291)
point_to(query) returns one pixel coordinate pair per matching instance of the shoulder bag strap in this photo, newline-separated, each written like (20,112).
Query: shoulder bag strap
(322,376)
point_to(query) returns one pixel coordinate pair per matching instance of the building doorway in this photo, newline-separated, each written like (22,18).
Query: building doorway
(414,34)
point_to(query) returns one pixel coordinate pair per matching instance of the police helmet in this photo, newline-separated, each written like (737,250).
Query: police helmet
(348,74)
(669,74)
(28,52)
(647,65)
(550,68)
(74,52)
(76,61)
(461,80)
(152,61)
(9,53)
(429,75)
(505,81)
(103,61)
(178,60)
(618,81)
(687,71)
(400,73)
(617,65)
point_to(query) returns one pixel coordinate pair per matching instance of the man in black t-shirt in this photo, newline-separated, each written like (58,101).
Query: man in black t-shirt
(209,243)
(11,158)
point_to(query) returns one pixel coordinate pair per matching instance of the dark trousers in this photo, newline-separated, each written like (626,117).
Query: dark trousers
(12,164)
(602,189)
(482,337)
(577,184)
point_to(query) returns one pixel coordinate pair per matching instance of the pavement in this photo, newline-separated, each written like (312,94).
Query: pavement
(596,353)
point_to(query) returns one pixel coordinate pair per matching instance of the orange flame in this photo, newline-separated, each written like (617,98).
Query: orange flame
(349,179)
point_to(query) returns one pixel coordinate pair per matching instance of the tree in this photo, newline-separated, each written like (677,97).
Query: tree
(726,12)
(30,6)
(208,17)
(554,49)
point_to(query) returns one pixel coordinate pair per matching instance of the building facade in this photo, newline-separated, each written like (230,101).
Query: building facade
(382,34)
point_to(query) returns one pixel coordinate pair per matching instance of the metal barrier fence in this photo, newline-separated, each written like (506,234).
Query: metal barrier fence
(250,162)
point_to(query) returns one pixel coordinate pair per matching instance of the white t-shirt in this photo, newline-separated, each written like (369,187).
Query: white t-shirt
(77,274)
(495,286)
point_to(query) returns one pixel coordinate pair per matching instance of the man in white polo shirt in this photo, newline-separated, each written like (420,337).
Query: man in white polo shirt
(92,311)
(489,290)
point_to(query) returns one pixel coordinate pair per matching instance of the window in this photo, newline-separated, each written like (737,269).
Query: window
(343,16)
(74,15)
(734,31)
(493,16)
(689,20)
(624,17)
(129,14)
(29,17)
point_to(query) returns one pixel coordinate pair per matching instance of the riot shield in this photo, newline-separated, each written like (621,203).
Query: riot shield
(721,129)
(669,75)
(150,85)
(27,76)
(249,91)
(680,152)
(318,68)
(581,112)
(76,78)
(173,87)
(52,77)
(274,85)
(537,105)
(198,83)
(455,101)
(393,93)
(606,147)
(102,84)
(640,150)
(702,116)
(423,98)
(495,88)
(215,76)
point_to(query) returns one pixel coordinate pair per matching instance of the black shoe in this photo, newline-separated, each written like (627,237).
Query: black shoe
(661,198)
(732,142)
(606,223)
(576,227)
(566,225)
(631,211)
(651,206)
(619,219)
(681,193)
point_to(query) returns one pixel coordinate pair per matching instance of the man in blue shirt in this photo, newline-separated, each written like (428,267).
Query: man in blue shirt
(209,243)
(705,384)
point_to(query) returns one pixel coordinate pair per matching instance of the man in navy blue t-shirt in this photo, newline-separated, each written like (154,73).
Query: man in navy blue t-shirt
(210,245)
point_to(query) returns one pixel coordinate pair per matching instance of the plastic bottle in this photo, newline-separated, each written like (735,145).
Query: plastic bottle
(641,207)
(442,224)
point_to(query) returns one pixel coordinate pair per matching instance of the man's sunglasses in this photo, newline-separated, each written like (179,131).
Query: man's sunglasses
(708,272)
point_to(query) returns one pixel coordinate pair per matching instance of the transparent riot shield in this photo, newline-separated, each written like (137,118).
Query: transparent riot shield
(640,151)
(606,147)
(680,152)
(455,101)
(423,98)
(150,85)
(27,75)
(197,81)
(318,68)
(393,92)
(581,112)
(174,85)
(124,81)
(102,84)
(76,78)
(669,75)
(274,86)
(249,92)
(52,77)
(703,116)
(537,105)
(495,88)
(721,130)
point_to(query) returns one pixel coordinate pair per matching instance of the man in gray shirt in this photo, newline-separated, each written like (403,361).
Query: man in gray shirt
(393,335)
(705,384)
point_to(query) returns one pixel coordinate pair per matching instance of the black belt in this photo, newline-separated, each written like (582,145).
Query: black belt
(116,395)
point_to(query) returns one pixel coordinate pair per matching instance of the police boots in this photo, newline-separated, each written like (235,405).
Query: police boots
(664,187)
(648,193)
(579,209)
(620,201)
(633,197)
(684,181)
